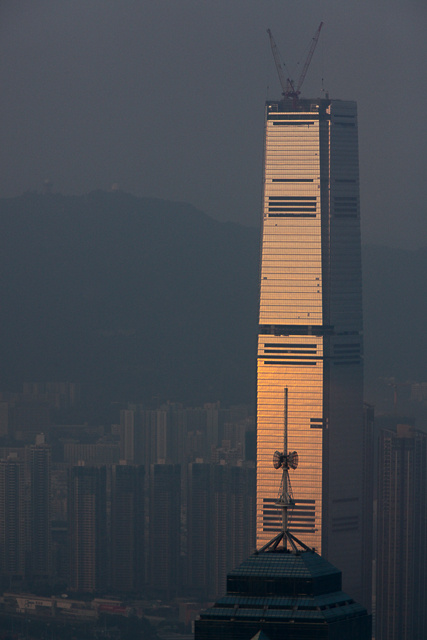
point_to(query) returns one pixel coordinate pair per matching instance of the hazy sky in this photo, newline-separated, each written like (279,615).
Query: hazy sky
(166,98)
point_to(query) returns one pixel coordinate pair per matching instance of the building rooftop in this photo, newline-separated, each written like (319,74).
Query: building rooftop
(278,587)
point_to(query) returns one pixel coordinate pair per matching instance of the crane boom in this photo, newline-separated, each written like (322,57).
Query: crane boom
(309,57)
(289,91)
(283,82)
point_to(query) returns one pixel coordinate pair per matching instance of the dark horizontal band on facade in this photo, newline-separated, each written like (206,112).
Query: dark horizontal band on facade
(292,357)
(291,364)
(274,512)
(296,354)
(294,124)
(294,351)
(300,521)
(298,502)
(298,207)
(291,215)
(291,345)
(295,330)
(299,528)
(297,180)
(292,198)
(292,209)
(294,116)
(303,363)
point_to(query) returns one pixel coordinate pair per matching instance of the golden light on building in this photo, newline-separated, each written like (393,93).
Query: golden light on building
(310,334)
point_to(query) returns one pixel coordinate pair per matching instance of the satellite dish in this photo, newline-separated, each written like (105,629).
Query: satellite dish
(278,459)
(292,460)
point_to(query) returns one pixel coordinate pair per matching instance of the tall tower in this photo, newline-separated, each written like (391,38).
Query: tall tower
(310,340)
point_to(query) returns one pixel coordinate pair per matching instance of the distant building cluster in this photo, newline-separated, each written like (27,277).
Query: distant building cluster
(162,501)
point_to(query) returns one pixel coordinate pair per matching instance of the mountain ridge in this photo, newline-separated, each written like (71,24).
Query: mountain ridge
(141,297)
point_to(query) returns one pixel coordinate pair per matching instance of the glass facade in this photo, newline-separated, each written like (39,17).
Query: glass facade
(310,334)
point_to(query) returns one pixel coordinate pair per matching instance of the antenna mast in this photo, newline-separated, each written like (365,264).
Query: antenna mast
(285,461)
(284,498)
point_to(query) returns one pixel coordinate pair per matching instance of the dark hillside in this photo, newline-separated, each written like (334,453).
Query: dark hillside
(137,297)
(395,311)
(132,296)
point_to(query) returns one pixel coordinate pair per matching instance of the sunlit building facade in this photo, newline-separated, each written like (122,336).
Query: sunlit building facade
(310,334)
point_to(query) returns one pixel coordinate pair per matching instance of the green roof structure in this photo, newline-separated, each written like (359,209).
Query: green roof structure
(282,595)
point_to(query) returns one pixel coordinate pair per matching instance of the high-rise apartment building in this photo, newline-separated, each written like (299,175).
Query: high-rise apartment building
(127,435)
(87,528)
(40,516)
(220,523)
(164,527)
(310,333)
(127,527)
(12,518)
(402,535)
(368,503)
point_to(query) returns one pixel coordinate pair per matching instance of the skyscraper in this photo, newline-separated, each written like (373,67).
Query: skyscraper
(310,318)
(402,535)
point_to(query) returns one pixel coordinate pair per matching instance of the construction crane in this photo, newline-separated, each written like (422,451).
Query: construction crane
(288,88)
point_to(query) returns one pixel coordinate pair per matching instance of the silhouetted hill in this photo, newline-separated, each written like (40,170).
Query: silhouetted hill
(395,312)
(138,297)
(132,296)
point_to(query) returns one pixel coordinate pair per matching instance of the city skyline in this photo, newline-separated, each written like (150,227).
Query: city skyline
(140,446)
